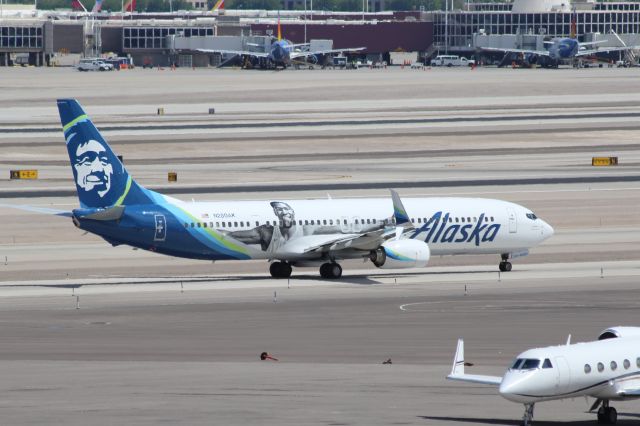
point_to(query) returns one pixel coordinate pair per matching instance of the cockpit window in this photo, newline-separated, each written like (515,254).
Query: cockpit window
(530,364)
(526,364)
(532,216)
(547,364)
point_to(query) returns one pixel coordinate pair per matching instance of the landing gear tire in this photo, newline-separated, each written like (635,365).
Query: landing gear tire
(607,416)
(505,266)
(280,270)
(330,270)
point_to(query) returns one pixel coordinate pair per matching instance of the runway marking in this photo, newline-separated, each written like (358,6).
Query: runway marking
(507,306)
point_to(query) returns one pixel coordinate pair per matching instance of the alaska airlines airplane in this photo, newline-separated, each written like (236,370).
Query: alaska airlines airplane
(389,232)
(607,369)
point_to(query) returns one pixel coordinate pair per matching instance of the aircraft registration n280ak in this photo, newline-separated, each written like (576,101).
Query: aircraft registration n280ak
(607,369)
(389,232)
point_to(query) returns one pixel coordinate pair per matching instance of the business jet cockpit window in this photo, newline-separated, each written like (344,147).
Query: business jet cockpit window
(532,216)
(525,364)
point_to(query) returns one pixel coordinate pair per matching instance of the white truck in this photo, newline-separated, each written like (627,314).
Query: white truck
(451,61)
(94,65)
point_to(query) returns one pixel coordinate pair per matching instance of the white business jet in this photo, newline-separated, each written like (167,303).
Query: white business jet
(607,369)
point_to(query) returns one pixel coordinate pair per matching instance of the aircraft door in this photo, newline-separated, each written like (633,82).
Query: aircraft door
(161,228)
(513,221)
(563,374)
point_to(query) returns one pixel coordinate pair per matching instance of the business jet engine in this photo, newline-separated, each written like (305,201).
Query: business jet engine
(401,254)
(616,332)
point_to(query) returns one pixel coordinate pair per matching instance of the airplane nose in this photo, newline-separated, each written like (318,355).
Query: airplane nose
(547,230)
(511,388)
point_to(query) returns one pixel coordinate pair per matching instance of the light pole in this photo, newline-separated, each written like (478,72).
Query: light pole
(446,27)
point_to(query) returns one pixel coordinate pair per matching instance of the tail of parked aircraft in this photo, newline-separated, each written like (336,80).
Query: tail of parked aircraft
(129,6)
(101,178)
(97,6)
(76,6)
(218,6)
(279,29)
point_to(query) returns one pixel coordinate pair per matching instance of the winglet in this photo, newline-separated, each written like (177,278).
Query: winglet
(458,360)
(399,212)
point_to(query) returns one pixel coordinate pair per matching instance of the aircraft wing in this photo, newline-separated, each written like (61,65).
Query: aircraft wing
(365,241)
(457,370)
(303,54)
(605,49)
(533,52)
(633,392)
(235,52)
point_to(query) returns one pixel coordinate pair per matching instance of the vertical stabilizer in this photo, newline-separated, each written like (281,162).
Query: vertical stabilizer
(101,179)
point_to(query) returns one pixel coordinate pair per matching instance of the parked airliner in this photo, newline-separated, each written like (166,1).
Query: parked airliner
(607,369)
(281,53)
(390,232)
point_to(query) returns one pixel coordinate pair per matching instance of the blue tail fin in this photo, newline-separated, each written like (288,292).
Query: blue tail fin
(101,179)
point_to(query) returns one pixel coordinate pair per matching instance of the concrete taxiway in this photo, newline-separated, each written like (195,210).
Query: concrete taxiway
(166,340)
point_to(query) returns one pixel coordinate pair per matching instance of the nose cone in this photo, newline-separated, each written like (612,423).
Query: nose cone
(547,230)
(514,388)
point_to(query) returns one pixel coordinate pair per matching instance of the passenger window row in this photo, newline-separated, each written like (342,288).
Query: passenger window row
(455,219)
(247,224)
(612,365)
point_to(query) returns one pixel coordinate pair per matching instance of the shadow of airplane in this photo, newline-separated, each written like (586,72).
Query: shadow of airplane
(476,420)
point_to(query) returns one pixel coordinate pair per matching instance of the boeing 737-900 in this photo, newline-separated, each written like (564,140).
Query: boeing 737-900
(390,232)
(607,369)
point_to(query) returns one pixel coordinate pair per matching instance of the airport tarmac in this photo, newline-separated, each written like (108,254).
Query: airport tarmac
(166,340)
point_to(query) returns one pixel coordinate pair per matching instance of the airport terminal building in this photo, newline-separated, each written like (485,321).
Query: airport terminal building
(165,38)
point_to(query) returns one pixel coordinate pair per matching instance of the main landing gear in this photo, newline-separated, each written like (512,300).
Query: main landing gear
(505,265)
(607,415)
(330,270)
(280,270)
(527,418)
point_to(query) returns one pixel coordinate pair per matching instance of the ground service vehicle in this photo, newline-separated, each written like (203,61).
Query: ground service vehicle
(94,65)
(451,61)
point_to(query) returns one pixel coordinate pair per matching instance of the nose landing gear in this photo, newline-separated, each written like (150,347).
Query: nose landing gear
(527,418)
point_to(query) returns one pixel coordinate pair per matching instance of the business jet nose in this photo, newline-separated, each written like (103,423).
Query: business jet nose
(511,388)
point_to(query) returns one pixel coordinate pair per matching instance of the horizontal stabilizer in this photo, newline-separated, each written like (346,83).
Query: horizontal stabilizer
(112,213)
(36,209)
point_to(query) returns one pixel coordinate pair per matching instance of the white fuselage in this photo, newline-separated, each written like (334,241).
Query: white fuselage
(601,369)
(448,225)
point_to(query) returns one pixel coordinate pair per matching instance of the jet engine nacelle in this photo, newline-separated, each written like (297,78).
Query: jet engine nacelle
(400,254)
(615,332)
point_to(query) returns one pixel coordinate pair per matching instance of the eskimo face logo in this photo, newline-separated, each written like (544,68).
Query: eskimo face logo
(93,169)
